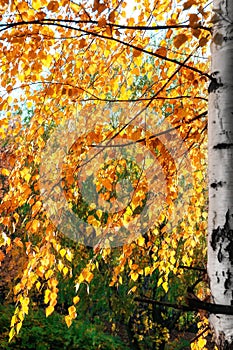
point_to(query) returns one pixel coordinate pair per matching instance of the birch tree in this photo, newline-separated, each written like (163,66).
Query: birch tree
(220,140)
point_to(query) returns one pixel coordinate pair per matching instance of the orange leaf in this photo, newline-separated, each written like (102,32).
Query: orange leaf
(203,41)
(193,20)
(136,52)
(161,51)
(102,22)
(2,256)
(32,225)
(107,184)
(36,207)
(111,16)
(89,276)
(18,242)
(82,43)
(180,40)
(53,6)
(188,4)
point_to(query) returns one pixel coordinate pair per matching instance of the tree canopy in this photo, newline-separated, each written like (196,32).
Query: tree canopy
(103,128)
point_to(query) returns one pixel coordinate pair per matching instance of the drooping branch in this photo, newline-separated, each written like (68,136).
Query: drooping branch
(182,64)
(96,98)
(199,334)
(191,267)
(106,37)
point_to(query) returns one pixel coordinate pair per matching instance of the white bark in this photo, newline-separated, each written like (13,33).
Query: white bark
(220,138)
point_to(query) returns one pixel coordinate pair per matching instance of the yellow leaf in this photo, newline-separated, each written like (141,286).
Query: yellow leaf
(160,281)
(38,284)
(134,276)
(47,296)
(147,270)
(21,315)
(13,320)
(68,320)
(17,288)
(201,343)
(48,274)
(5,172)
(18,327)
(60,265)
(11,334)
(132,290)
(173,260)
(199,175)
(165,286)
(74,7)
(36,4)
(65,271)
(25,309)
(49,310)
(72,311)
(76,299)
(24,172)
(141,241)
(62,252)
(69,255)
(205,215)
(34,225)
(47,61)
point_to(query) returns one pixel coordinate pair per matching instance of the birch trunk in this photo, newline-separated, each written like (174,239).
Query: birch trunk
(220,148)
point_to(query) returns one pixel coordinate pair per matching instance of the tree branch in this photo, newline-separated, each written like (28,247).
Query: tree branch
(95,34)
(108,24)
(193,305)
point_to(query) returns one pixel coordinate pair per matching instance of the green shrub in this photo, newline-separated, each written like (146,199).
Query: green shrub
(41,333)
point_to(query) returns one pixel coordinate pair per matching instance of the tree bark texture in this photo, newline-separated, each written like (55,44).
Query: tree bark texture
(220,148)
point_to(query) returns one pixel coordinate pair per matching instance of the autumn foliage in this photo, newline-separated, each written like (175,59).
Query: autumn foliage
(104,113)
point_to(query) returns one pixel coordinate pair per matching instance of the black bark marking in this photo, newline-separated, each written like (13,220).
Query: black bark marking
(217,278)
(229,249)
(223,145)
(216,184)
(214,86)
(225,38)
(227,283)
(219,235)
(215,83)
(220,255)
